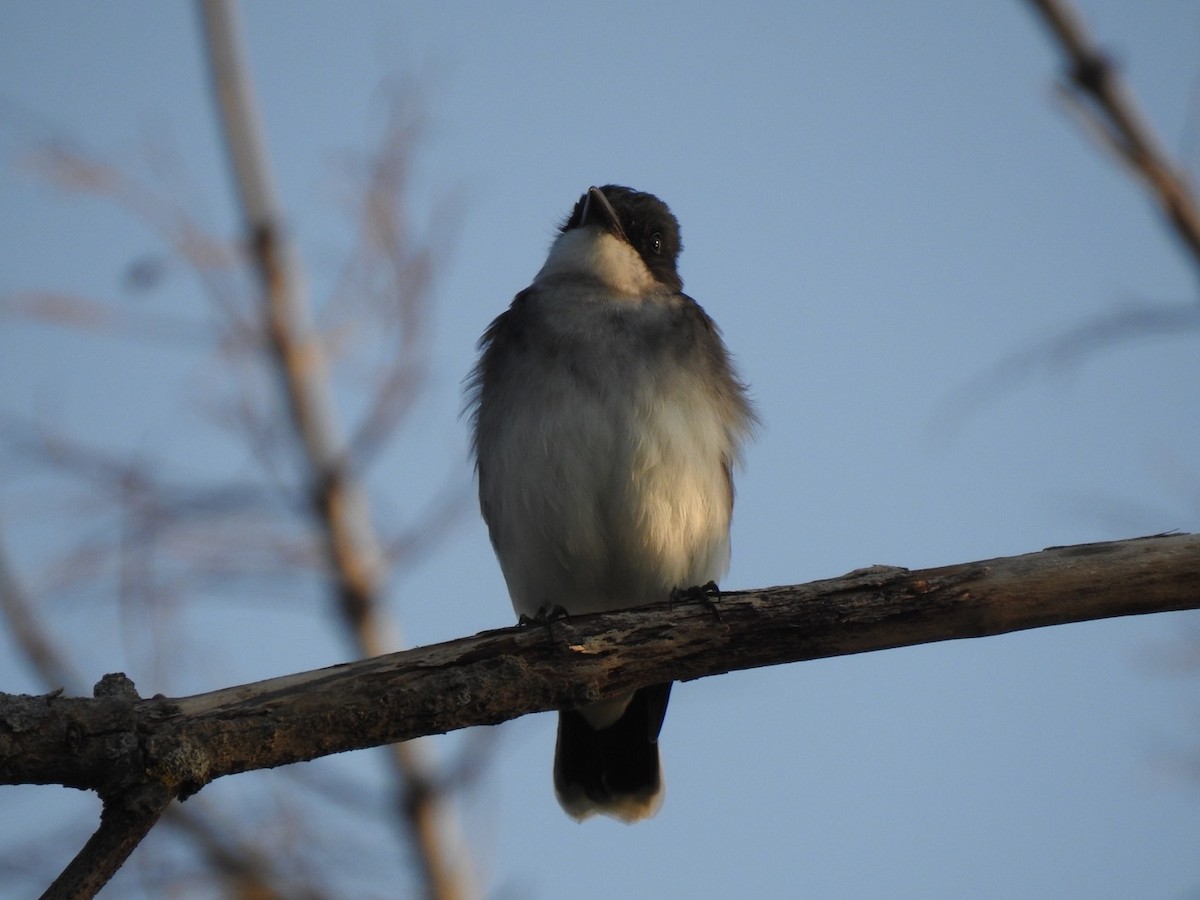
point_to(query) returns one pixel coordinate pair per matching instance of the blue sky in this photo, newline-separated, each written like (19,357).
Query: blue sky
(879,202)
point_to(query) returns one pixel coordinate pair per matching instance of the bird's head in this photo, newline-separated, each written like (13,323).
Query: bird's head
(626,239)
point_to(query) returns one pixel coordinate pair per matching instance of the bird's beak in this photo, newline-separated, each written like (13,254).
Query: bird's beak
(598,211)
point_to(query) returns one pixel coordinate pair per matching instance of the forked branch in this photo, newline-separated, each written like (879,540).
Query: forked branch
(179,745)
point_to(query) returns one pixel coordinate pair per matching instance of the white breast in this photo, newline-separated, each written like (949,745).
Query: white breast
(609,489)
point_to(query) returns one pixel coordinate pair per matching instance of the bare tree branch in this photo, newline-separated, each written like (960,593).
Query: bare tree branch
(1114,113)
(125,821)
(254,873)
(116,744)
(357,560)
(155,538)
(1110,113)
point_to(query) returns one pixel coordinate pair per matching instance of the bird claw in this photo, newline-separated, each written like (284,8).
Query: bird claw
(544,616)
(708,594)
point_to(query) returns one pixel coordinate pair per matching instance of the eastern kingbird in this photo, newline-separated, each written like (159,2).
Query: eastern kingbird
(607,417)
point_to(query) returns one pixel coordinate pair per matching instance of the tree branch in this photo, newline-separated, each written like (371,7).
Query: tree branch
(357,562)
(254,873)
(1112,109)
(123,823)
(498,675)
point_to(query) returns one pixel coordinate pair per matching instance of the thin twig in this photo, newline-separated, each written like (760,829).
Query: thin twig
(1061,353)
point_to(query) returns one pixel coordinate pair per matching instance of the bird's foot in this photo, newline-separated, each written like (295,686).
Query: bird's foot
(708,594)
(544,616)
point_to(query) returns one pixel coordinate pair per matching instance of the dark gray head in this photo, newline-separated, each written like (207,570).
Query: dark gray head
(640,219)
(637,221)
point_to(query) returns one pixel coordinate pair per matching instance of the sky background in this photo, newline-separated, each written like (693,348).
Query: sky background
(880,202)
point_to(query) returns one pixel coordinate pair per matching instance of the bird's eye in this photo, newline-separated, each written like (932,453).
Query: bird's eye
(656,243)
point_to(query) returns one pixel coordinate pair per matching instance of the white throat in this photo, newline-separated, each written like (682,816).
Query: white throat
(589,252)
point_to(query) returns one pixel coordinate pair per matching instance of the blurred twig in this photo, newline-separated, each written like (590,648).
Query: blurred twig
(1113,113)
(84,313)
(30,637)
(1059,353)
(357,561)
(156,537)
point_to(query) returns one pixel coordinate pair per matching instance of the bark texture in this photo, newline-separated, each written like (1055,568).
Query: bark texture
(116,742)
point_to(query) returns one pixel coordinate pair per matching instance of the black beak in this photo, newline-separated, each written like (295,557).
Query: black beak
(598,211)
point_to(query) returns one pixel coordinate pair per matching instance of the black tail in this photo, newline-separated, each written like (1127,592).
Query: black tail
(614,770)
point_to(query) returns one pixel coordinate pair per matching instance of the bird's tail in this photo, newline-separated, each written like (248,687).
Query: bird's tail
(612,770)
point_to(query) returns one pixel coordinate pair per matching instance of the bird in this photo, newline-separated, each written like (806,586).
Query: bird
(607,417)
